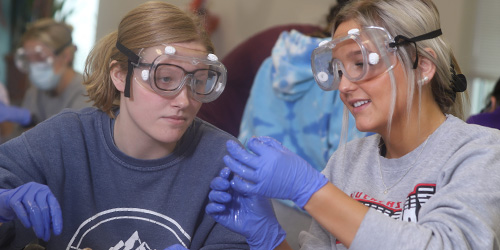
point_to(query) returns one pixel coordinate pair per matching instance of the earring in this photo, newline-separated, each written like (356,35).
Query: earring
(424,80)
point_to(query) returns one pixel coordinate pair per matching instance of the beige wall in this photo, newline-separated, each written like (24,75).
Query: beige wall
(240,19)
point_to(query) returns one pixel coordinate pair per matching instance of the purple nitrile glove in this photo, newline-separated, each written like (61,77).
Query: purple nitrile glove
(15,114)
(251,216)
(35,206)
(273,171)
(176,247)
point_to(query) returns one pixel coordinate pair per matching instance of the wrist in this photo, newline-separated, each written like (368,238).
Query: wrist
(267,238)
(314,182)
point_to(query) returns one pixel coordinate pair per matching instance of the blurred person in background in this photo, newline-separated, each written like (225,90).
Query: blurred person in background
(490,115)
(46,55)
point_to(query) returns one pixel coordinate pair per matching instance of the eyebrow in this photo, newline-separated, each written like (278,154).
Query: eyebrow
(351,53)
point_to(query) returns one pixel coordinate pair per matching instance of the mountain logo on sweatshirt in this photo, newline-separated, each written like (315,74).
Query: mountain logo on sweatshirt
(133,243)
(128,229)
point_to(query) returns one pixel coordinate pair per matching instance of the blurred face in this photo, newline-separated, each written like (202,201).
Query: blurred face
(369,100)
(35,51)
(155,120)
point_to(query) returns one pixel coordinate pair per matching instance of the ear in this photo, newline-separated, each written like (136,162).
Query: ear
(493,104)
(117,76)
(426,66)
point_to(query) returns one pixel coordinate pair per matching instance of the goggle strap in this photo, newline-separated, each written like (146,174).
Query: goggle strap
(132,58)
(403,40)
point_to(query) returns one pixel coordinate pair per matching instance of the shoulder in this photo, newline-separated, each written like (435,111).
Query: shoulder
(68,118)
(456,131)
(210,132)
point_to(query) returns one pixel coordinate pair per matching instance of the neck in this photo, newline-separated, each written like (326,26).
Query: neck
(134,142)
(408,133)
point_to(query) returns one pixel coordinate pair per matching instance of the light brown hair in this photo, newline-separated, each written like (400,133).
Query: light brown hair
(148,25)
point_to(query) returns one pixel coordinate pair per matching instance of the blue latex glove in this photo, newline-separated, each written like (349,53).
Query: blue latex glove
(15,114)
(36,207)
(251,216)
(176,247)
(272,171)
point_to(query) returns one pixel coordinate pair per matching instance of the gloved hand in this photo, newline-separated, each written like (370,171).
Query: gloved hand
(175,247)
(251,216)
(273,171)
(15,114)
(33,204)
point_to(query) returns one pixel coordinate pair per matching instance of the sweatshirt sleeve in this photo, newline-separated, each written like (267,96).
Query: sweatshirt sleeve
(463,214)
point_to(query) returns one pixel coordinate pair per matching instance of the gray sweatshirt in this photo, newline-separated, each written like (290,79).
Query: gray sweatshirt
(445,194)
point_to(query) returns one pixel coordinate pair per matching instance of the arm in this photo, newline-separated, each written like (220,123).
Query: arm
(336,212)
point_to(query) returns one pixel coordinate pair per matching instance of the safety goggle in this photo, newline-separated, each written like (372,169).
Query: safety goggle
(361,55)
(167,69)
(39,54)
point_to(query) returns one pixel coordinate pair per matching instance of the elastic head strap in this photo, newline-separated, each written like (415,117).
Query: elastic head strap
(403,40)
(132,59)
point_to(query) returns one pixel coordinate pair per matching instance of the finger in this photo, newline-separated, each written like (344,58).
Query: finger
(241,154)
(219,197)
(213,208)
(55,214)
(225,172)
(34,214)
(241,186)
(259,147)
(219,184)
(18,207)
(271,142)
(240,169)
(40,198)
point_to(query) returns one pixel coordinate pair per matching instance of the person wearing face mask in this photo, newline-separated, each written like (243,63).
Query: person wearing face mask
(46,55)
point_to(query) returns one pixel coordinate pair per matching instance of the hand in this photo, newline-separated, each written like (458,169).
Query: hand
(175,247)
(15,114)
(33,204)
(272,171)
(251,216)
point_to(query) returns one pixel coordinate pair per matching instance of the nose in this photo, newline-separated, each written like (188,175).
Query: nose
(346,86)
(183,98)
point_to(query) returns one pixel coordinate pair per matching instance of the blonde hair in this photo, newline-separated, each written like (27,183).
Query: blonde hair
(55,35)
(148,25)
(412,18)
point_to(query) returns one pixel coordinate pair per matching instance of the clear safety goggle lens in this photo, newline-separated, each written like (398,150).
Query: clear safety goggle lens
(361,55)
(23,58)
(169,72)
(170,77)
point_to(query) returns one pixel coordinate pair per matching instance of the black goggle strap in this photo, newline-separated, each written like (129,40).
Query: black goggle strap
(132,59)
(402,40)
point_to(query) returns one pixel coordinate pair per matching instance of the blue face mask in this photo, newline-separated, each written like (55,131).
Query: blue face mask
(42,75)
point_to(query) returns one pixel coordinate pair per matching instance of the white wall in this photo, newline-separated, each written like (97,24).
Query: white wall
(239,19)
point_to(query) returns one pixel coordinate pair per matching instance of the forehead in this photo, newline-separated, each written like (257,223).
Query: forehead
(344,27)
(191,49)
